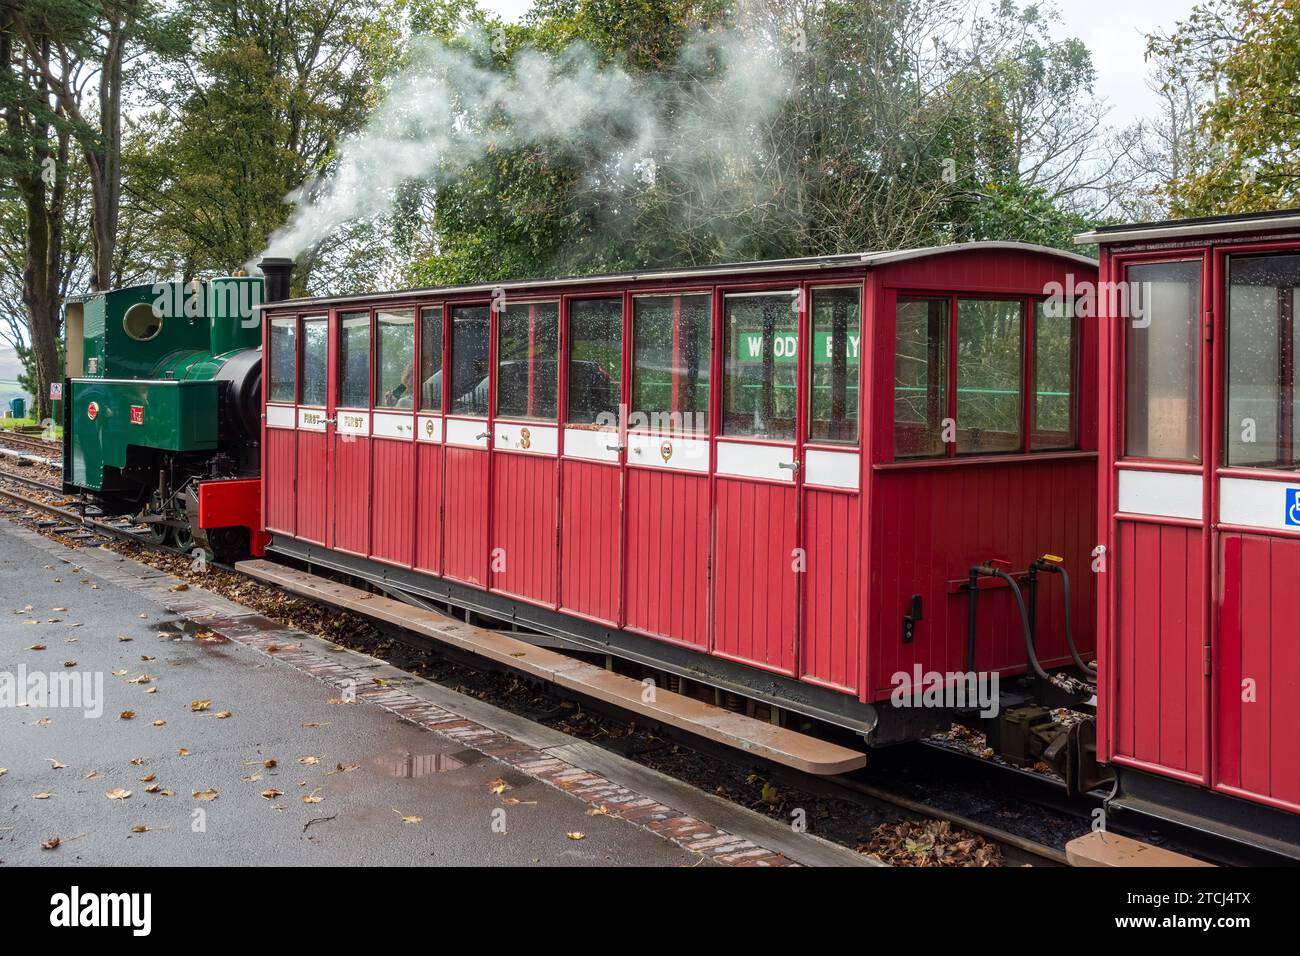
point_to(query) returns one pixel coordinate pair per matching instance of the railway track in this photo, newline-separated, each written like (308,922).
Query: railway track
(30,443)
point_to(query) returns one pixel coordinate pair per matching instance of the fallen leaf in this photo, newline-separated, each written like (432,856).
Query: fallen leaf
(123,638)
(117,794)
(342,768)
(69,663)
(312,798)
(152,788)
(56,764)
(268,764)
(152,690)
(222,714)
(599,811)
(183,752)
(271,793)
(146,657)
(159,723)
(119,673)
(180,587)
(136,761)
(44,722)
(310,761)
(148,778)
(50,844)
(406,819)
(43,795)
(498,786)
(139,829)
(3,771)
(208,794)
(127,715)
(199,705)
(142,679)
(576,835)
(37,647)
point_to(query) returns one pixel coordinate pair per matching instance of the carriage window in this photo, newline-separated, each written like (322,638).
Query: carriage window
(470,330)
(671,350)
(920,376)
(759,382)
(1163,362)
(315,349)
(528,361)
(431,359)
(1263,417)
(989,371)
(595,361)
(283,339)
(395,358)
(836,340)
(354,360)
(1056,375)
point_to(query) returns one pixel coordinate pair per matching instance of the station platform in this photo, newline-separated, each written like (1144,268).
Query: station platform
(242,742)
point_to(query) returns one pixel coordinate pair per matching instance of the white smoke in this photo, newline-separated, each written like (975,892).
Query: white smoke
(449,107)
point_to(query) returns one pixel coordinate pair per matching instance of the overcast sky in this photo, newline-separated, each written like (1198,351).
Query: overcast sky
(1113,30)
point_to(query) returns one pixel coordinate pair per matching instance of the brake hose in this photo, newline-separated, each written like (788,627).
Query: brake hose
(1089,668)
(1069,685)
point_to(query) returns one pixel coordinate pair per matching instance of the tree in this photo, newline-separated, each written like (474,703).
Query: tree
(1245,57)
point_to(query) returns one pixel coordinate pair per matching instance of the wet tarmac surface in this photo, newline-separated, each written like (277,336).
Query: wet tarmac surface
(273,769)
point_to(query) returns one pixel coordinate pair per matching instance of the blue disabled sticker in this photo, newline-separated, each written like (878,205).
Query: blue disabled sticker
(1293,506)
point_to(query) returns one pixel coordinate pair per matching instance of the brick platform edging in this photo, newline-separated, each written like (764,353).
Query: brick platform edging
(285,646)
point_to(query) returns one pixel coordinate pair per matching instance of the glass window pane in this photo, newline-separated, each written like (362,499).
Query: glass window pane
(595,361)
(837,338)
(1162,408)
(1263,418)
(759,384)
(315,355)
(431,359)
(470,335)
(1056,370)
(989,371)
(395,361)
(283,338)
(528,361)
(354,361)
(920,376)
(671,351)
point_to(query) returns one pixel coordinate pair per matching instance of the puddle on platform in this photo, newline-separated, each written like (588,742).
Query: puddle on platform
(415,766)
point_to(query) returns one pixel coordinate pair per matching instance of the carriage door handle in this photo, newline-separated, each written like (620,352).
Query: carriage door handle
(791,465)
(330,421)
(615,447)
(482,435)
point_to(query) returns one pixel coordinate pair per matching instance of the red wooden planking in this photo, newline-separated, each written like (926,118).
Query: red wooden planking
(829,639)
(590,518)
(932,524)
(667,590)
(428,507)
(1284,674)
(756,538)
(281,462)
(1227,669)
(1256,636)
(1173,640)
(311,492)
(523,550)
(393,502)
(351,494)
(465,515)
(1146,642)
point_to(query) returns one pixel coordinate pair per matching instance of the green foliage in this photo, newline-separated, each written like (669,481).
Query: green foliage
(1248,53)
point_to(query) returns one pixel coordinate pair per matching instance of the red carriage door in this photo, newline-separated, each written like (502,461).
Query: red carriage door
(591,479)
(1257,654)
(758,558)
(666,549)
(281,459)
(392,509)
(1160,554)
(428,443)
(465,482)
(526,438)
(312,491)
(830,510)
(349,473)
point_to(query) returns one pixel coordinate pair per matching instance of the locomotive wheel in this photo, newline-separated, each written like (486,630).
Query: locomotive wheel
(156,534)
(182,539)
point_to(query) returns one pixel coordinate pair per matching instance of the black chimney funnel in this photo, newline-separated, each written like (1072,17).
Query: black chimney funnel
(276,272)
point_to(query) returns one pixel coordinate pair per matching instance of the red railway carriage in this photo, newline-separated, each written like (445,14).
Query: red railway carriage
(772,479)
(1199,513)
